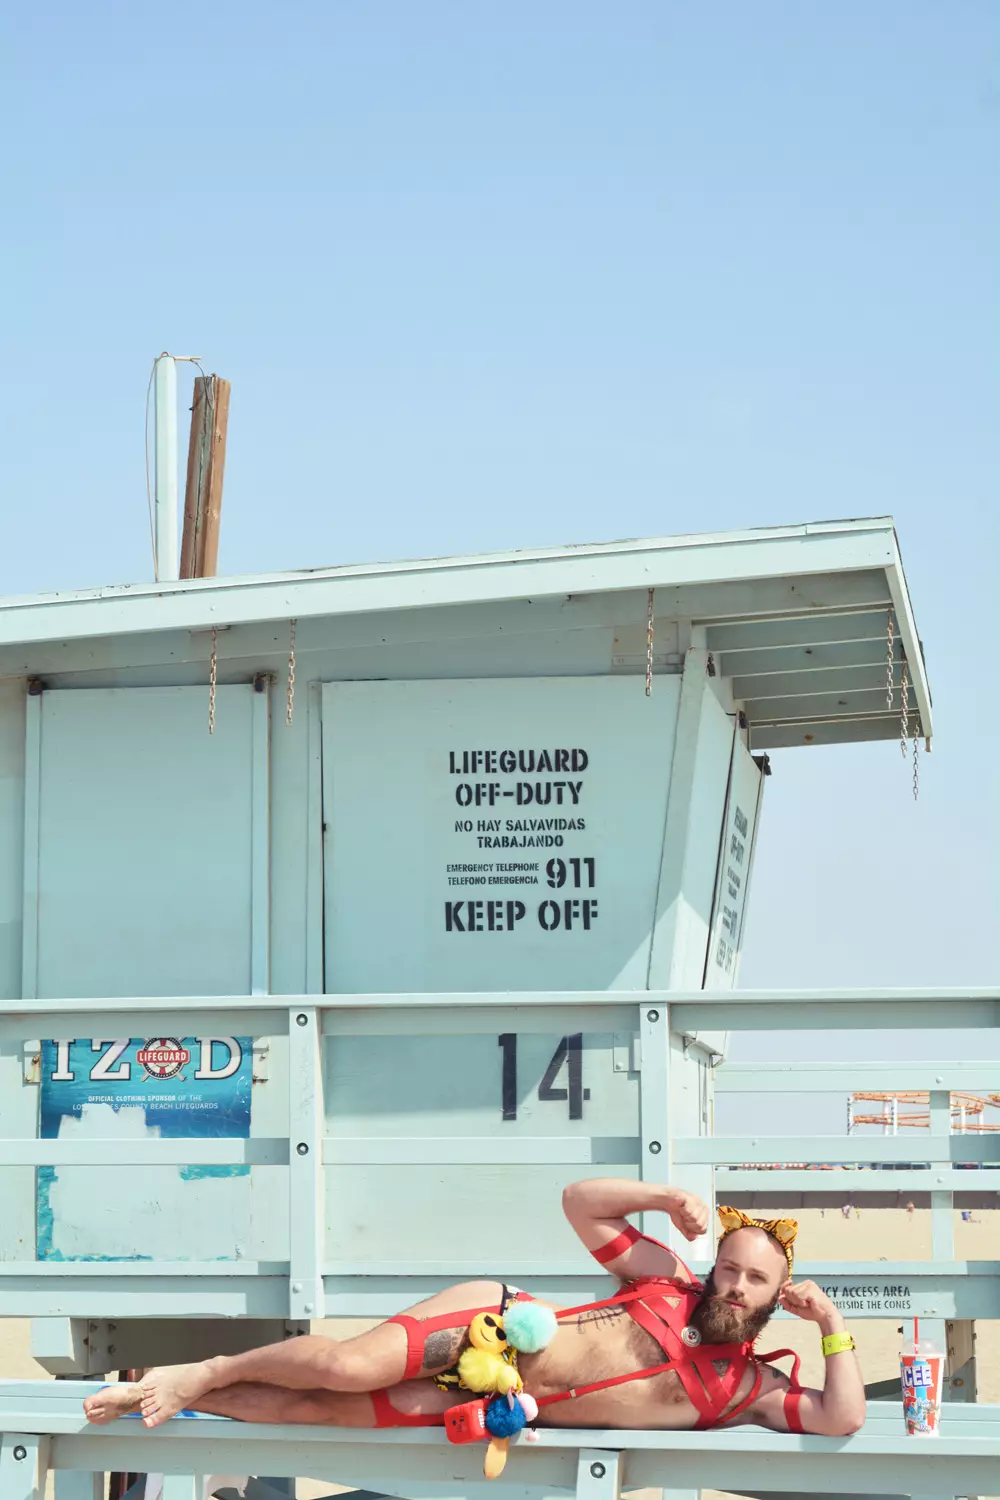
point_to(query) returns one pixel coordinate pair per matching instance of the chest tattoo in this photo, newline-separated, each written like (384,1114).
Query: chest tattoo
(597,1316)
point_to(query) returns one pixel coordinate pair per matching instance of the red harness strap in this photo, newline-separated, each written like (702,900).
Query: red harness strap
(386,1414)
(663,1307)
(709,1393)
(626,1295)
(658,1305)
(665,1310)
(696,1366)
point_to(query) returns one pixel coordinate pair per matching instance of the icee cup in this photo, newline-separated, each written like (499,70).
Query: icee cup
(921,1372)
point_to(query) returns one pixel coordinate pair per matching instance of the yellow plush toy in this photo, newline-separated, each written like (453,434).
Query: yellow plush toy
(486,1331)
(482,1371)
(488,1366)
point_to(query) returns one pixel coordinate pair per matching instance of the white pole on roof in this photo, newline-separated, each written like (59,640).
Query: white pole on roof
(165,468)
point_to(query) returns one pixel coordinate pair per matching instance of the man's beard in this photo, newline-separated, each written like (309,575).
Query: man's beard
(720,1323)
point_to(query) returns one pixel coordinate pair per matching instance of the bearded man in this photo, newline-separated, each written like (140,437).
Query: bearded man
(662,1351)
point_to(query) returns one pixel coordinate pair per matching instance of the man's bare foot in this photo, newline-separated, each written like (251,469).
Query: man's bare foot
(171,1389)
(113,1402)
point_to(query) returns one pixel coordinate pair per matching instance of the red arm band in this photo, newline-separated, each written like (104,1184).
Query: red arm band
(617,1246)
(793,1399)
(630,1236)
(794,1394)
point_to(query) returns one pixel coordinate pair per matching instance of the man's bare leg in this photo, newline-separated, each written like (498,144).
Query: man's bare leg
(271,1403)
(368,1362)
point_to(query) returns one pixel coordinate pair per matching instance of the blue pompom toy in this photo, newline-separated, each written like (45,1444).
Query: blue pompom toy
(529,1326)
(504,1420)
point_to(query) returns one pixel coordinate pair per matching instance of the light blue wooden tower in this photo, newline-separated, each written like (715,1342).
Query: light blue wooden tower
(346,915)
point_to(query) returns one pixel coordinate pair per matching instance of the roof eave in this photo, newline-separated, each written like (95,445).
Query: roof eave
(200,604)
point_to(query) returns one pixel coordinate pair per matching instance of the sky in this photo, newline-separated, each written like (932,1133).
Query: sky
(507,273)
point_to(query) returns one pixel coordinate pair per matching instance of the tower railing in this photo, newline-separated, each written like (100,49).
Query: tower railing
(42,1421)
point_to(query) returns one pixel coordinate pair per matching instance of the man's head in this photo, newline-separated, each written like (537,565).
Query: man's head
(741,1293)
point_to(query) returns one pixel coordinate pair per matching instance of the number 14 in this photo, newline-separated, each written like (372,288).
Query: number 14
(569,1051)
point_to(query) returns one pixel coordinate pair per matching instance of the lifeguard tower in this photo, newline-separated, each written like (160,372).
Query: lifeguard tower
(348,914)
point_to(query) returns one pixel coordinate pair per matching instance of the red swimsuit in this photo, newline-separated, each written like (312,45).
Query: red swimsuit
(662,1306)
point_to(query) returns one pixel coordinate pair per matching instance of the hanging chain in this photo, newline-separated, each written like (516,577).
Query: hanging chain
(649,641)
(213,674)
(290,693)
(904,706)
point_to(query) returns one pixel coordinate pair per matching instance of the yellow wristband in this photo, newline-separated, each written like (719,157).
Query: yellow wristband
(838,1343)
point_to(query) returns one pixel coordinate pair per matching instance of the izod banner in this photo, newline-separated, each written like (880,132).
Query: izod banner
(161,1087)
(184,1086)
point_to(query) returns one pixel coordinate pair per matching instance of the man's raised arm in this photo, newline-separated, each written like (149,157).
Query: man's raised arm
(597,1210)
(839,1408)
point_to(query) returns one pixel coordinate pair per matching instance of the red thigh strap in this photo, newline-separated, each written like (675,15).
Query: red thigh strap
(386,1414)
(417,1329)
(414,1331)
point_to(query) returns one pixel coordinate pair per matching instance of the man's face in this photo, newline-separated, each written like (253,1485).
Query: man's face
(742,1291)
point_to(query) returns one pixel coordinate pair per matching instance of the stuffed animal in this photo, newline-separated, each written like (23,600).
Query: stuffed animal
(488,1331)
(484,1371)
(466,1423)
(497,1420)
(504,1419)
(488,1365)
(529,1326)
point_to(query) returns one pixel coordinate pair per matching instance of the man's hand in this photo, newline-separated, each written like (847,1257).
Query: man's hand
(687,1213)
(808,1302)
(839,1408)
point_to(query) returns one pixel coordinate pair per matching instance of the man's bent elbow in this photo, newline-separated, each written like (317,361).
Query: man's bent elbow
(572,1193)
(847,1424)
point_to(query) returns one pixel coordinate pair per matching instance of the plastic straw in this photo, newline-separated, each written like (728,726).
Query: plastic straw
(916,1335)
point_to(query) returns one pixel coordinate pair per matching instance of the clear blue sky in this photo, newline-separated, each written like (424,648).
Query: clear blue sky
(494,273)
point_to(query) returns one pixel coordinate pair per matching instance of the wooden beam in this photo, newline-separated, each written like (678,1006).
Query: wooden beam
(206,467)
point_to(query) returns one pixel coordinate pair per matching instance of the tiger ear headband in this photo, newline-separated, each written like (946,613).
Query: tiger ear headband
(782,1230)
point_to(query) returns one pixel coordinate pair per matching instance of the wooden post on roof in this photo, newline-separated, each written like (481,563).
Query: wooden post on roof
(206,466)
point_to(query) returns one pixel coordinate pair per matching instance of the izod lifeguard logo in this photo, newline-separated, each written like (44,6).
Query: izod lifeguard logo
(162,1057)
